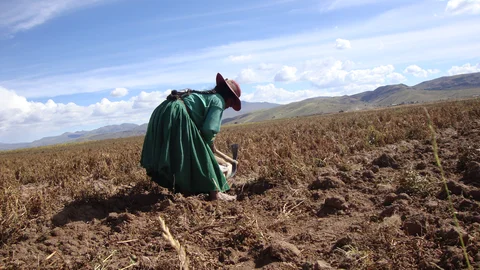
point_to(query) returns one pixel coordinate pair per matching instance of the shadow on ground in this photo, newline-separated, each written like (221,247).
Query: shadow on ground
(89,208)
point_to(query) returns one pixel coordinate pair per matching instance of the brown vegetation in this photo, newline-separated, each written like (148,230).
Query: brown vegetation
(357,190)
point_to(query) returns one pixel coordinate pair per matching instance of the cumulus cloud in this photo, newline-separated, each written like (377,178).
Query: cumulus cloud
(286,74)
(119,92)
(457,7)
(467,68)
(419,72)
(395,77)
(331,73)
(239,58)
(247,75)
(271,93)
(19,116)
(342,44)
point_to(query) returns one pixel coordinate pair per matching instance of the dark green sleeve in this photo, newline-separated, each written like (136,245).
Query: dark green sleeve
(212,123)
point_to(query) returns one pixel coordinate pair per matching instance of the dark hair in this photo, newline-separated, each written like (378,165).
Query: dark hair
(175,94)
(223,90)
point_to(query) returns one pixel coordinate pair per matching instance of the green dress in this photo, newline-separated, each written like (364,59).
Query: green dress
(176,152)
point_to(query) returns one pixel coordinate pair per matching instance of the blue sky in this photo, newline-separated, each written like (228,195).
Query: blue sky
(68,65)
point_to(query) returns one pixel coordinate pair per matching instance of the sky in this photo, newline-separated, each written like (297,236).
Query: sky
(68,65)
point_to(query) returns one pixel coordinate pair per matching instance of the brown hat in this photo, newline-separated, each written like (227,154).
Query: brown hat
(234,87)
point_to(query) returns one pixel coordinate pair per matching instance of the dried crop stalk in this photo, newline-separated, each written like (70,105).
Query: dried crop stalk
(182,254)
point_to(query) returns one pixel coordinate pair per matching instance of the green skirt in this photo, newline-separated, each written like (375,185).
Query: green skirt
(175,155)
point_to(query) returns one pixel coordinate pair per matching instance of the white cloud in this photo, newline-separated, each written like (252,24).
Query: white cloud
(264,66)
(270,93)
(20,117)
(286,74)
(247,75)
(17,15)
(466,68)
(119,92)
(457,7)
(342,44)
(419,72)
(239,58)
(395,78)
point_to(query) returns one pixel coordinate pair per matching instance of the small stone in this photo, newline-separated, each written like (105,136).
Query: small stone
(431,205)
(415,225)
(389,211)
(475,194)
(375,168)
(344,241)
(404,196)
(368,174)
(326,183)
(421,165)
(385,161)
(322,265)
(390,198)
(336,202)
(385,188)
(472,174)
(283,251)
(58,232)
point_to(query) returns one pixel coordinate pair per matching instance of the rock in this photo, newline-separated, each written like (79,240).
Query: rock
(421,165)
(385,161)
(415,225)
(389,211)
(431,205)
(58,232)
(326,183)
(322,265)
(472,174)
(404,196)
(283,251)
(385,188)
(475,194)
(344,241)
(336,202)
(375,168)
(451,235)
(454,188)
(452,258)
(390,198)
(368,174)
(164,204)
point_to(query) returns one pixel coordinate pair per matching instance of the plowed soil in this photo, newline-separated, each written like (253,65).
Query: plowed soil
(380,207)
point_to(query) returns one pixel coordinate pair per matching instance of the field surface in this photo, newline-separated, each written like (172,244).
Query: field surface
(357,190)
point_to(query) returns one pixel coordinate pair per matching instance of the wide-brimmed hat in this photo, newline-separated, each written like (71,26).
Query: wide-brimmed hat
(234,87)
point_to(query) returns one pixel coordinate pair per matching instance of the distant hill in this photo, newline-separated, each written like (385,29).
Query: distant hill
(119,131)
(464,81)
(448,87)
(248,107)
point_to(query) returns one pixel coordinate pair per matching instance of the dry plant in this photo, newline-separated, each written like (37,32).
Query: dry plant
(450,203)
(182,254)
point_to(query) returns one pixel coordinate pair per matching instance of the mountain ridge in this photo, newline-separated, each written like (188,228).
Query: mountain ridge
(446,87)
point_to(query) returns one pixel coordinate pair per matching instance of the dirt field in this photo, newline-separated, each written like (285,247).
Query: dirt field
(345,191)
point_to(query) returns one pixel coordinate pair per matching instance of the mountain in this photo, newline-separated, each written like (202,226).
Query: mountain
(448,87)
(248,107)
(120,131)
(464,81)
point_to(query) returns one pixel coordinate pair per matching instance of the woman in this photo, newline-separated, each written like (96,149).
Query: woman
(178,150)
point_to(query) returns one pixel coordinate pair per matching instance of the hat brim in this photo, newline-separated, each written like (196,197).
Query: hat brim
(237,104)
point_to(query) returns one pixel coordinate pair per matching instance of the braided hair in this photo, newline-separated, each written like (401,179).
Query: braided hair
(223,90)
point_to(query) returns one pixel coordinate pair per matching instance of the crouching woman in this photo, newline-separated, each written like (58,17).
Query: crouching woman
(178,149)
